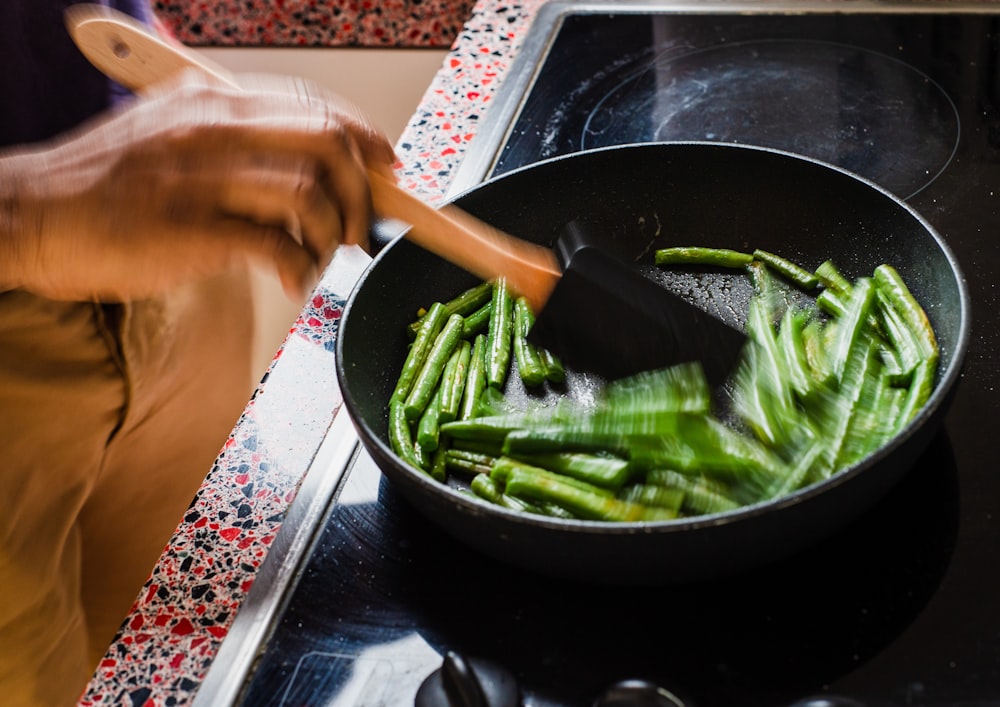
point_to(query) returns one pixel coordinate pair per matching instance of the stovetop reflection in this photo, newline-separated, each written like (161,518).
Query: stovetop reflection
(385,595)
(776,93)
(850,90)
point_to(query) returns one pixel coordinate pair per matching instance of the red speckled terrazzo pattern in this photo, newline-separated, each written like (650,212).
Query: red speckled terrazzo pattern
(168,641)
(315,23)
(435,142)
(185,609)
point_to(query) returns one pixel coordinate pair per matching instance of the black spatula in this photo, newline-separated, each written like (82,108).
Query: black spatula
(605,317)
(595,312)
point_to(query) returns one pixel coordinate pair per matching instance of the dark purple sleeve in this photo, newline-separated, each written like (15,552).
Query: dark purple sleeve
(46,85)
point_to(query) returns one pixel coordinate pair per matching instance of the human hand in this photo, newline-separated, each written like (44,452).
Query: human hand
(191,179)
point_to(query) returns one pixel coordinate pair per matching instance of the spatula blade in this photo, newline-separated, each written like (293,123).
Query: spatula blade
(605,317)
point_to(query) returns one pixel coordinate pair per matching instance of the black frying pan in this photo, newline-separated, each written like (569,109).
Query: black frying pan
(642,197)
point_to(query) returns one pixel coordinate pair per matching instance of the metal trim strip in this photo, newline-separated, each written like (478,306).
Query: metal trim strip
(232,667)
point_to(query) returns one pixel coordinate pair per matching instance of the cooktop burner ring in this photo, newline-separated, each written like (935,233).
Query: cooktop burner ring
(864,111)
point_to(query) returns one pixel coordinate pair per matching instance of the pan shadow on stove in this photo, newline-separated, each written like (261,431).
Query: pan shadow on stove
(782,631)
(380,613)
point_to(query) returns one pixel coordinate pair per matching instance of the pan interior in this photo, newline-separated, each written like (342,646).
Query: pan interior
(644,197)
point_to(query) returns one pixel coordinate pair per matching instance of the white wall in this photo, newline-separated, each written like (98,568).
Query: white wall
(387,84)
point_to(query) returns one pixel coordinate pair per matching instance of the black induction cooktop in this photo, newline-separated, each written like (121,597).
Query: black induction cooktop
(900,608)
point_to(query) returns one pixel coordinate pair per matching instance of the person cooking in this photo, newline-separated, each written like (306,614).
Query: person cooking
(127,227)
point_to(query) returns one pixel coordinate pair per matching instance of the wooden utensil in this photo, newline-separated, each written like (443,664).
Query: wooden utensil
(593,311)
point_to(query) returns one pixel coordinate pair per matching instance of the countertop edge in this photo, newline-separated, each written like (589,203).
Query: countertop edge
(184,611)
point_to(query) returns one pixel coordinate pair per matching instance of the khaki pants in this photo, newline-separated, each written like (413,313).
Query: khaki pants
(110,418)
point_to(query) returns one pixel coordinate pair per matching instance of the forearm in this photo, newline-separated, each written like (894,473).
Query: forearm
(192,179)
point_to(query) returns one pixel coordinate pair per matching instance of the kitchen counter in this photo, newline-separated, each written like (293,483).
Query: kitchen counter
(180,618)
(314,23)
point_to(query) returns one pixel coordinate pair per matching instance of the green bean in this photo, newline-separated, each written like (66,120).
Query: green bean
(555,372)
(883,322)
(477,322)
(494,428)
(604,471)
(874,419)
(491,448)
(889,282)
(704,444)
(841,409)
(832,279)
(481,458)
(529,363)
(400,438)
(503,467)
(815,340)
(797,274)
(429,427)
(673,478)
(466,303)
(488,489)
(835,305)
(768,295)
(761,394)
(696,255)
(679,388)
(851,323)
(535,484)
(669,499)
(501,328)
(468,462)
(701,496)
(427,380)
(919,392)
(439,470)
(453,381)
(538,439)
(799,472)
(431,326)
(475,380)
(902,339)
(422,457)
(895,371)
(491,402)
(831,302)
(793,352)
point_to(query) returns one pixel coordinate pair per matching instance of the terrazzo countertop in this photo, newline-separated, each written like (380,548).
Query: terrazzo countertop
(316,23)
(179,620)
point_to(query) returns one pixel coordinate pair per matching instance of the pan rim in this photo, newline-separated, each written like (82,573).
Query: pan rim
(944,388)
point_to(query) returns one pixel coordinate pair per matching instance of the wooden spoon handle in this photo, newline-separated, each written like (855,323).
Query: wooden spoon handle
(128,52)
(460,238)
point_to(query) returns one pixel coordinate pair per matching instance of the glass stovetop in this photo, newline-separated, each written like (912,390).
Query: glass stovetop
(900,608)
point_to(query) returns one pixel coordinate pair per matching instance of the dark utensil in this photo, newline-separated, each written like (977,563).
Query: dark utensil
(606,317)
(640,197)
(594,310)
